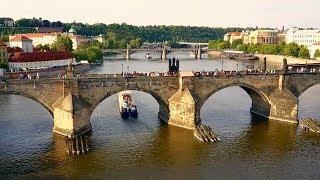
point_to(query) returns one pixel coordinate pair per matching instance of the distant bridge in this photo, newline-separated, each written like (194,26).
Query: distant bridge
(162,51)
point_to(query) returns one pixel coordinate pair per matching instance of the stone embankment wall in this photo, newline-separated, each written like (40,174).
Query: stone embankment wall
(291,60)
(78,69)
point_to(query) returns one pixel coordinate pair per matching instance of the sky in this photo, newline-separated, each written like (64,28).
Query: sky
(212,13)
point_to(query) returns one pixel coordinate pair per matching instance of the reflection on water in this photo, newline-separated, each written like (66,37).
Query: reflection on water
(148,149)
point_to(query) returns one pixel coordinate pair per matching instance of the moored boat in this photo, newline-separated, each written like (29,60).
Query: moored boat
(127,105)
(148,56)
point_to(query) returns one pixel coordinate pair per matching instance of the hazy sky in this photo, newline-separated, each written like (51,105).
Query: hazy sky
(213,13)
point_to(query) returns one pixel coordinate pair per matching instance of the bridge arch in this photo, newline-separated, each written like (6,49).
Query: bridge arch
(163,105)
(308,102)
(306,88)
(261,104)
(47,107)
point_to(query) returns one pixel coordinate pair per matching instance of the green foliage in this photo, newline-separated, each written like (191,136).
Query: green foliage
(126,32)
(4,65)
(242,47)
(215,44)
(317,54)
(4,38)
(304,52)
(236,43)
(291,49)
(62,43)
(135,43)
(16,30)
(91,53)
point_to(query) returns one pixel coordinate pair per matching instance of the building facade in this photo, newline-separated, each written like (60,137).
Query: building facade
(307,37)
(39,60)
(49,38)
(22,42)
(232,36)
(262,37)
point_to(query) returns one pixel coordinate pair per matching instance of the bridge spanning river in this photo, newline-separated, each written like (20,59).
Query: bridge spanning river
(72,100)
(197,51)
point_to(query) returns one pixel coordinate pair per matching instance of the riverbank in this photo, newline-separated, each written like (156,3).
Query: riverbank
(270,58)
(290,60)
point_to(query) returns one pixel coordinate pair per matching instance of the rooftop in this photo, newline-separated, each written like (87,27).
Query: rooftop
(39,56)
(20,37)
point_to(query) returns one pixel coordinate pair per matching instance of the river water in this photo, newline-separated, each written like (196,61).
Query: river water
(147,149)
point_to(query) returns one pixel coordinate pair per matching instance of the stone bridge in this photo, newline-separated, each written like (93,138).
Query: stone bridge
(71,101)
(198,51)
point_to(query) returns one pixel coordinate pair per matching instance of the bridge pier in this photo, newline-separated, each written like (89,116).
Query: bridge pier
(71,116)
(183,111)
(128,53)
(164,53)
(199,53)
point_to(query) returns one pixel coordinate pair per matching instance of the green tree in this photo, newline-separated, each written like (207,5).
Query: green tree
(62,43)
(317,54)
(4,38)
(291,49)
(4,65)
(242,47)
(135,43)
(236,43)
(225,45)
(304,52)
(90,53)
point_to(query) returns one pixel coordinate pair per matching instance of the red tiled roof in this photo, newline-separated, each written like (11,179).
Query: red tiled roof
(20,38)
(39,56)
(2,43)
(234,33)
(14,49)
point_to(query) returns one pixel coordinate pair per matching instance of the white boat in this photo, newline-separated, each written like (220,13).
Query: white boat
(192,54)
(127,105)
(148,56)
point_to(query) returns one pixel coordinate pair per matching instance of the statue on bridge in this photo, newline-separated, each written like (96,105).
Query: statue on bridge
(174,66)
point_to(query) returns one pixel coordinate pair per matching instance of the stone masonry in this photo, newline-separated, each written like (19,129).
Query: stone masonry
(71,101)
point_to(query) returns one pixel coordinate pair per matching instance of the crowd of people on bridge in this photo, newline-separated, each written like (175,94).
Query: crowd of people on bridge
(174,70)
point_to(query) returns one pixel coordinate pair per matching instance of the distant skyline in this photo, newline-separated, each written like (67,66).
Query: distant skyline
(226,13)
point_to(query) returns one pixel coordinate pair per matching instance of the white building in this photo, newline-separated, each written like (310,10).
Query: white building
(49,38)
(305,37)
(22,42)
(39,60)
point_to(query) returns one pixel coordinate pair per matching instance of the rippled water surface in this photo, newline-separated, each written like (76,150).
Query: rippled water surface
(147,149)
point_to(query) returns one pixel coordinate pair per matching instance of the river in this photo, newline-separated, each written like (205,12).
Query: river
(145,148)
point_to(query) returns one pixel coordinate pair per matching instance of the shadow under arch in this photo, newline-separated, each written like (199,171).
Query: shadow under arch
(47,107)
(261,105)
(163,106)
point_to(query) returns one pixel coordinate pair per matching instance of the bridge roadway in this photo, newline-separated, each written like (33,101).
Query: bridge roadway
(72,100)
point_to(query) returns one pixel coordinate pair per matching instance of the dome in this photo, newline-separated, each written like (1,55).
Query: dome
(72,30)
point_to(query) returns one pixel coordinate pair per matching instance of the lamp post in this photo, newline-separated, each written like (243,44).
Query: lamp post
(222,65)
(122,69)
(237,67)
